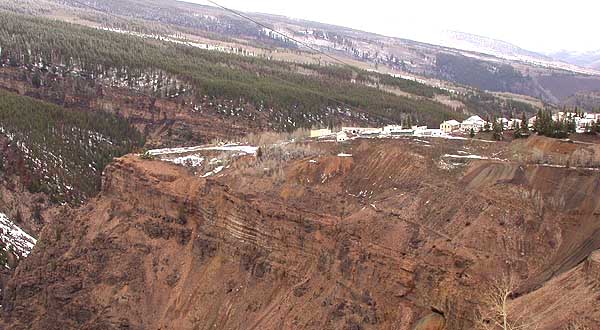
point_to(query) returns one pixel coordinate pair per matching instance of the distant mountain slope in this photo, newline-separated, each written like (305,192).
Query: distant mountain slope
(589,59)
(212,28)
(485,45)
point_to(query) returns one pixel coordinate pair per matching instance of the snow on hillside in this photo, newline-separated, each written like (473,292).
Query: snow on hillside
(503,50)
(14,237)
(189,160)
(174,39)
(196,156)
(588,59)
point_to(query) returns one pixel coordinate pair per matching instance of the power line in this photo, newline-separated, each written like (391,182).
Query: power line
(289,83)
(98,9)
(237,13)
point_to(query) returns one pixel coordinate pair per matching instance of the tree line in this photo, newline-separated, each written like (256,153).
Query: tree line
(66,150)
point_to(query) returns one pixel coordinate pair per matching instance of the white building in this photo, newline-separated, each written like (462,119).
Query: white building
(341,136)
(450,126)
(317,133)
(362,130)
(433,132)
(389,129)
(513,123)
(474,122)
(583,124)
(593,116)
(403,132)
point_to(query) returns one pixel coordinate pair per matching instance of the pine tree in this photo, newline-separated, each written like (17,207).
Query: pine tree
(537,126)
(497,129)
(486,126)
(410,121)
(36,80)
(572,126)
(524,124)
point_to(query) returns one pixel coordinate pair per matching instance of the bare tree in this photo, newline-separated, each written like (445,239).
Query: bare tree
(576,325)
(496,313)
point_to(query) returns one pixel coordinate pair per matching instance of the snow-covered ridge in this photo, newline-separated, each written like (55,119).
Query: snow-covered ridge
(174,39)
(503,50)
(195,157)
(14,237)
(183,150)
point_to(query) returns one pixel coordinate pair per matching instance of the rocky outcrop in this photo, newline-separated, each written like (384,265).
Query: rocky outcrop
(569,299)
(591,269)
(375,241)
(433,321)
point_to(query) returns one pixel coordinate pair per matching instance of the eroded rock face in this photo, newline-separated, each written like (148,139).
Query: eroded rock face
(591,269)
(375,243)
(432,321)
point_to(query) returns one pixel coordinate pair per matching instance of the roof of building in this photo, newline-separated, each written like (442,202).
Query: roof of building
(451,122)
(473,119)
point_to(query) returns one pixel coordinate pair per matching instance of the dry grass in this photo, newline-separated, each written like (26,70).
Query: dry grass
(581,158)
(271,159)
(272,138)
(577,325)
(264,139)
(275,150)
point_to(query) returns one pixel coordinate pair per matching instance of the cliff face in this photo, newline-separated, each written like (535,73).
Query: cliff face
(386,239)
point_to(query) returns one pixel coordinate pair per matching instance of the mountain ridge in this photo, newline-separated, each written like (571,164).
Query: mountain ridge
(590,59)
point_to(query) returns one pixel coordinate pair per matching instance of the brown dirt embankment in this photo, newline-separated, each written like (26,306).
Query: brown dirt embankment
(379,240)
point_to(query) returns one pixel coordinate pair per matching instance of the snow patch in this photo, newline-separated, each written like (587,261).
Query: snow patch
(213,172)
(228,147)
(190,160)
(15,237)
(473,157)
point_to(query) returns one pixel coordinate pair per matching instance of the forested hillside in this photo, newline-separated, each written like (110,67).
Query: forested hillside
(65,150)
(296,95)
(487,76)
(490,106)
(214,28)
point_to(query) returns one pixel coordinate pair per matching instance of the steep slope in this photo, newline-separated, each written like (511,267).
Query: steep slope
(562,300)
(212,28)
(64,151)
(220,29)
(377,240)
(481,44)
(76,64)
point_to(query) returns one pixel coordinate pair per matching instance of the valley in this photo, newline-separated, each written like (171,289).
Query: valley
(168,165)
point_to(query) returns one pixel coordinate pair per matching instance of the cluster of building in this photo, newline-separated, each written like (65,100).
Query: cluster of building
(347,133)
(473,123)
(477,124)
(582,120)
